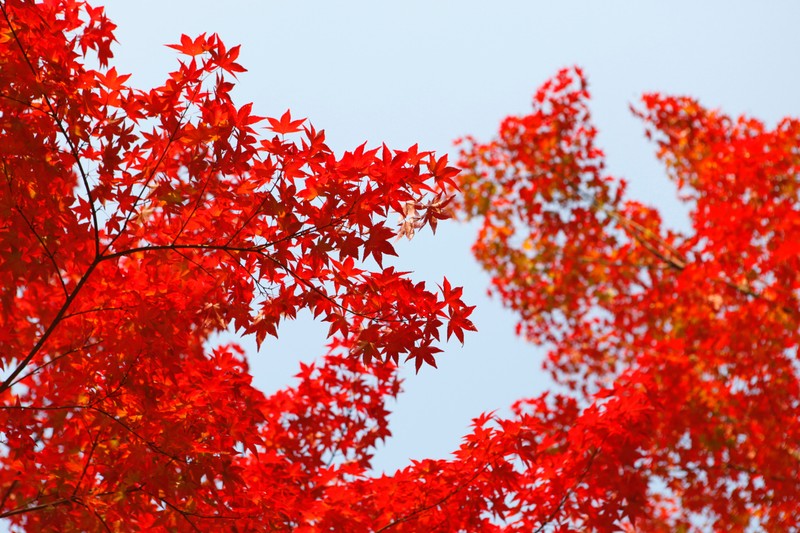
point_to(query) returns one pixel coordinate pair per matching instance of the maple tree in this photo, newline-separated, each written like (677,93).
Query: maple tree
(136,224)
(680,348)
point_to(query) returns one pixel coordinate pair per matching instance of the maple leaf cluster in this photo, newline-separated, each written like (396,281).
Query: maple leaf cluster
(135,224)
(680,348)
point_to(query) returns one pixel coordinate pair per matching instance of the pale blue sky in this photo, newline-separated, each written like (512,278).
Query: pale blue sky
(427,72)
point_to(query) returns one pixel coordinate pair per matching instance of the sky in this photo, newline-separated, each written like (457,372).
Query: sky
(429,72)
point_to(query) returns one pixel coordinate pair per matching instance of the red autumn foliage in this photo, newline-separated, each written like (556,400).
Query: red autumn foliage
(681,348)
(136,224)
